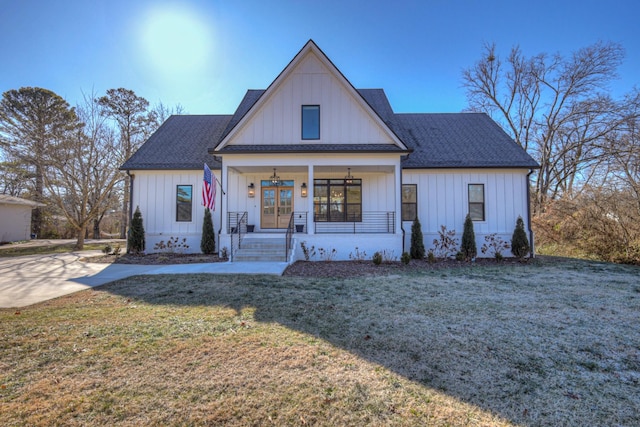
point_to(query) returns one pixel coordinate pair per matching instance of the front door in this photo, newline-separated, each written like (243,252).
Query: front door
(277,206)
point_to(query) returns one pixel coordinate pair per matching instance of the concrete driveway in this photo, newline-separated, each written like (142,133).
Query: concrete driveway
(31,279)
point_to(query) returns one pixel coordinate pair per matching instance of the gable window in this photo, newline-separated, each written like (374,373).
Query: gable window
(476,202)
(310,122)
(336,200)
(183,203)
(409,202)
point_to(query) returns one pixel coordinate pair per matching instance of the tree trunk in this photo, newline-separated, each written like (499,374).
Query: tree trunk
(96,228)
(80,239)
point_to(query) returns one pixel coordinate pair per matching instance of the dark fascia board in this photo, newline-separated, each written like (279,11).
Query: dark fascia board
(337,149)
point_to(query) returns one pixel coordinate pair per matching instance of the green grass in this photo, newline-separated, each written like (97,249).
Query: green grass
(46,249)
(554,342)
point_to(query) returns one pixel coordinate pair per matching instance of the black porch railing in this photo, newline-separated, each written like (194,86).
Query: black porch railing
(237,228)
(367,222)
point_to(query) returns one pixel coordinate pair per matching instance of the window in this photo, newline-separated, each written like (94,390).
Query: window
(310,122)
(409,202)
(183,203)
(476,202)
(335,200)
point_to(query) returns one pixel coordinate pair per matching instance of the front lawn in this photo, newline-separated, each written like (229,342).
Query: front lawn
(550,343)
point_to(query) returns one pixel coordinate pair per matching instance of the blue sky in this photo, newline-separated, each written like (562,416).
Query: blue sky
(204,55)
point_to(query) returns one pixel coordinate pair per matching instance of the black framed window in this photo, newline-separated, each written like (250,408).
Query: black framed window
(336,200)
(409,202)
(184,198)
(476,202)
(310,122)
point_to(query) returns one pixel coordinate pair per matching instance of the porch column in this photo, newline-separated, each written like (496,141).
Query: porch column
(311,226)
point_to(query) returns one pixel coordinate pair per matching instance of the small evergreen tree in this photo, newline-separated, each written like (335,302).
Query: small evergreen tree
(208,241)
(135,241)
(417,244)
(519,241)
(468,245)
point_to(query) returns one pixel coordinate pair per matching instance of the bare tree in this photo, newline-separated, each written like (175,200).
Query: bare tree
(134,124)
(556,108)
(33,121)
(83,170)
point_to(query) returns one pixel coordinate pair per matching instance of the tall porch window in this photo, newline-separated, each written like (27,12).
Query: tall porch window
(336,200)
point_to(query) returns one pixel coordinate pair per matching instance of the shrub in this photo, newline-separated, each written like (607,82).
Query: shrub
(377,258)
(224,253)
(208,241)
(468,246)
(460,256)
(358,255)
(494,246)
(174,244)
(116,250)
(107,249)
(309,252)
(519,241)
(405,258)
(446,245)
(135,241)
(417,244)
(431,258)
(327,254)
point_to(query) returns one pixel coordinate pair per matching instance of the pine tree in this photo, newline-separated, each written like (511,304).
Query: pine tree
(135,242)
(519,241)
(417,244)
(468,246)
(208,241)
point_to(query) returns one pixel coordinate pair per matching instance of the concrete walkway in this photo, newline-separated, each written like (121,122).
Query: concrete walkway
(31,279)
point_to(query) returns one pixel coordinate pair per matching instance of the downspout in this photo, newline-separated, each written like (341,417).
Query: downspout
(531,242)
(131,177)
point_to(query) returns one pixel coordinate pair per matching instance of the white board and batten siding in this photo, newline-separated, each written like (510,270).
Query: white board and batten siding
(443,200)
(155,193)
(343,118)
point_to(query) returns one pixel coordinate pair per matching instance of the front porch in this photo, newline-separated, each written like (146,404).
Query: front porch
(326,200)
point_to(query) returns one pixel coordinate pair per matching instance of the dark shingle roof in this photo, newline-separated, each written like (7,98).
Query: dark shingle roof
(453,140)
(180,143)
(458,140)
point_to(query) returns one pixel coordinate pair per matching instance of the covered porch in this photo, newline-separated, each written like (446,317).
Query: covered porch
(319,200)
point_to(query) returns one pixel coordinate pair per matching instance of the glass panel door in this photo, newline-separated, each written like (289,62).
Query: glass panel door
(277,207)
(285,206)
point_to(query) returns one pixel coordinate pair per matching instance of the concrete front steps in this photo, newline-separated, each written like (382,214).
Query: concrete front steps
(261,249)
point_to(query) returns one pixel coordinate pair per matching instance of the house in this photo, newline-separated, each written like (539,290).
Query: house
(15,218)
(313,159)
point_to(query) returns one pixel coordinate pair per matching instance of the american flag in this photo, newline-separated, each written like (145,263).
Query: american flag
(209,189)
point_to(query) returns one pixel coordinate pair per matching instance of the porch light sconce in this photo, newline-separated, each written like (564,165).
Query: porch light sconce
(348,179)
(275,179)
(252,190)
(303,189)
